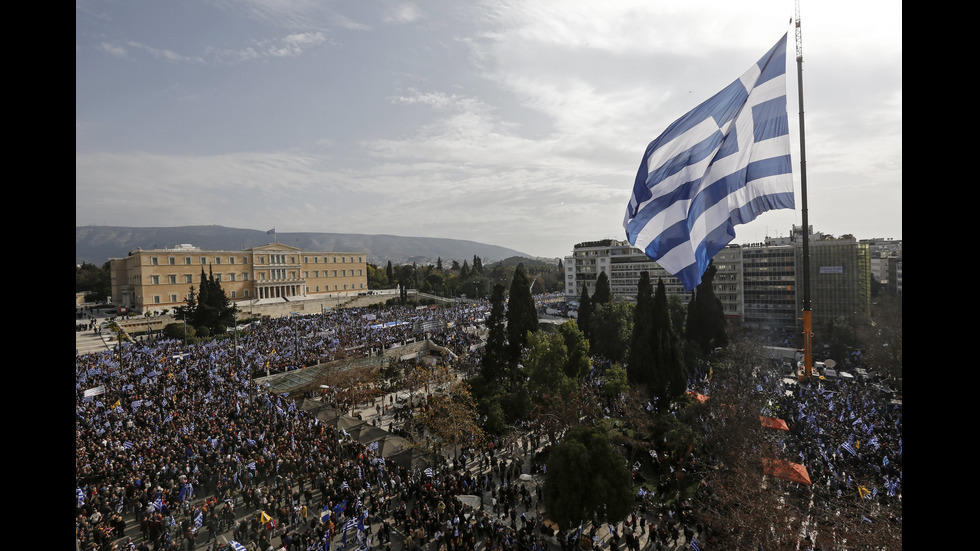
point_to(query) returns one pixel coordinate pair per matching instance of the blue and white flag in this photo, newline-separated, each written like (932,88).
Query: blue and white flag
(722,164)
(236,546)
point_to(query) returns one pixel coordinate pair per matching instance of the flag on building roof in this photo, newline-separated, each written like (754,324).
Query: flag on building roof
(723,163)
(270,232)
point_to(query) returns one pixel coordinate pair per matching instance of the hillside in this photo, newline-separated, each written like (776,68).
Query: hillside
(97,244)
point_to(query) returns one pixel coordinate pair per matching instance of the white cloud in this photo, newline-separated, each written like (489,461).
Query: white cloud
(401,13)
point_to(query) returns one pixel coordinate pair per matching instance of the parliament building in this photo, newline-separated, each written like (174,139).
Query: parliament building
(161,279)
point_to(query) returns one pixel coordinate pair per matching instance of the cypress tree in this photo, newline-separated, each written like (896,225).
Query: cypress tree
(522,316)
(670,380)
(602,294)
(585,313)
(706,315)
(640,369)
(495,352)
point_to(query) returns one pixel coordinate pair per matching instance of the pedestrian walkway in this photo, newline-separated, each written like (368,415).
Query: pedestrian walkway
(87,342)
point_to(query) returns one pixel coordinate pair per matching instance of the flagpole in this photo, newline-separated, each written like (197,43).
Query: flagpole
(807,320)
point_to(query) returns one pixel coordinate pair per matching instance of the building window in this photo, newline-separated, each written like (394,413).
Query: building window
(217,277)
(173,298)
(231,277)
(233,294)
(204,260)
(187,260)
(231,259)
(335,275)
(244,260)
(172,279)
(154,280)
(172,261)
(153,261)
(156,299)
(246,293)
(245,277)
(217,260)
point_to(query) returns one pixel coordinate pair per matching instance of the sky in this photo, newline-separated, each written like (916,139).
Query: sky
(513,123)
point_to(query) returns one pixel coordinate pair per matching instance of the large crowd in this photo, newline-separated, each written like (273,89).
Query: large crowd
(181,442)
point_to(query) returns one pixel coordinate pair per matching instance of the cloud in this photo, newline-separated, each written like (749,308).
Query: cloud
(402,13)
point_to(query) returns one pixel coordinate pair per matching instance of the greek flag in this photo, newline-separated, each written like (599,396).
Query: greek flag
(723,163)
(236,546)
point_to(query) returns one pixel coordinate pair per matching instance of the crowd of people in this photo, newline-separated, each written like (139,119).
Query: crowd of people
(181,442)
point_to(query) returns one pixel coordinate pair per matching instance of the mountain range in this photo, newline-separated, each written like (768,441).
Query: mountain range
(97,244)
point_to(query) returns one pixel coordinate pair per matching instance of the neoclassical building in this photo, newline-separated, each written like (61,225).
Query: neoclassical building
(158,279)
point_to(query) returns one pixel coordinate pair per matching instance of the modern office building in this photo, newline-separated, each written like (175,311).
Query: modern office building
(759,285)
(840,282)
(159,279)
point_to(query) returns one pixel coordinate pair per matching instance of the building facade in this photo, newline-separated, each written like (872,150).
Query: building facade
(622,264)
(161,279)
(759,285)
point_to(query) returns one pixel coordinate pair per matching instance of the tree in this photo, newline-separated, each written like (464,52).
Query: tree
(706,316)
(451,417)
(640,369)
(376,277)
(212,308)
(612,325)
(522,316)
(578,363)
(670,373)
(602,293)
(494,360)
(585,313)
(586,480)
(93,281)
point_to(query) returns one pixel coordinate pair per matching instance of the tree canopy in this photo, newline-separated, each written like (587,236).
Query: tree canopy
(586,479)
(706,315)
